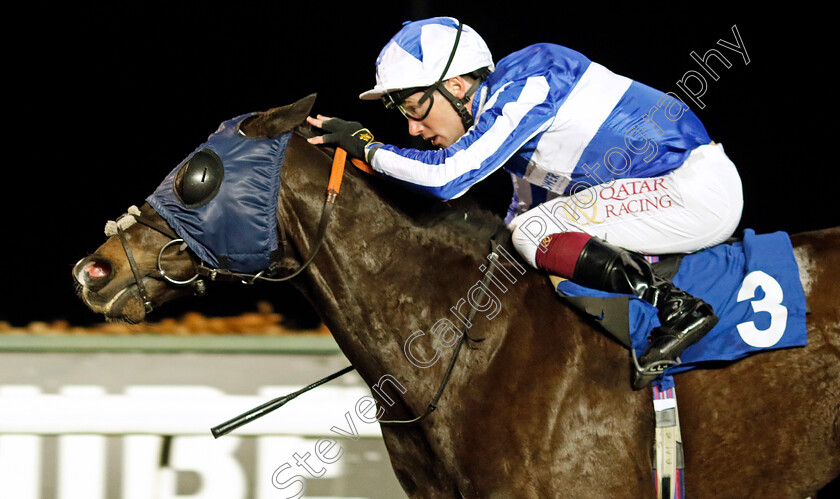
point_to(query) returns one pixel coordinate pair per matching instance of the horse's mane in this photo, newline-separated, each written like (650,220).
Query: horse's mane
(467,215)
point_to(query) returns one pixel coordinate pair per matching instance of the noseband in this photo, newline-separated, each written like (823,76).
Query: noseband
(216,274)
(157,273)
(202,270)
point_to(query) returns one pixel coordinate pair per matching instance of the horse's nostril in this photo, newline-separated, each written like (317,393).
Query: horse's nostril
(97,269)
(93,272)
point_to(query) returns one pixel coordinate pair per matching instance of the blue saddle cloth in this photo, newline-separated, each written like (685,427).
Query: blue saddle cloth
(753,286)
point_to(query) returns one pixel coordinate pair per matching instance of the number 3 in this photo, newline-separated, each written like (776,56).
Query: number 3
(771,303)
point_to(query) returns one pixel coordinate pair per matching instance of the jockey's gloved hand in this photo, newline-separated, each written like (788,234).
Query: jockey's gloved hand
(350,136)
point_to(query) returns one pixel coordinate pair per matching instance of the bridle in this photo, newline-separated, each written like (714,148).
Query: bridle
(204,271)
(157,273)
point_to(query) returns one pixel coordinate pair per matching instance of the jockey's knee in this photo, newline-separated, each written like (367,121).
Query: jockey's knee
(526,236)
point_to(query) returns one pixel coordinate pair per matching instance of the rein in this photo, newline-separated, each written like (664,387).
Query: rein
(274,404)
(333,188)
(215,274)
(494,260)
(271,405)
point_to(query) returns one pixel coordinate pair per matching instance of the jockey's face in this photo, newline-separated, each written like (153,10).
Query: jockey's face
(442,126)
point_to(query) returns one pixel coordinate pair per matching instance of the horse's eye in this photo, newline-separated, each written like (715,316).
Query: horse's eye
(198,181)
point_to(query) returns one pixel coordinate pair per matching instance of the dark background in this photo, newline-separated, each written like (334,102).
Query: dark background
(104,101)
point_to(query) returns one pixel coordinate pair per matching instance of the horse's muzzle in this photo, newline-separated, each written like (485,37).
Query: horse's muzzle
(120,301)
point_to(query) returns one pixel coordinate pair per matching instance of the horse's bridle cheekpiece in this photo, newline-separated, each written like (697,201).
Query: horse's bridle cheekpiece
(221,202)
(118,228)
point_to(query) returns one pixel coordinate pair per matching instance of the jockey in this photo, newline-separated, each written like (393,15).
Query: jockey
(593,156)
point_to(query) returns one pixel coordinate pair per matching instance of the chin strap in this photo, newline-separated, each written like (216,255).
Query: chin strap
(460,105)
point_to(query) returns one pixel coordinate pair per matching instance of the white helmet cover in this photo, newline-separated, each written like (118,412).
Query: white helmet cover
(418,53)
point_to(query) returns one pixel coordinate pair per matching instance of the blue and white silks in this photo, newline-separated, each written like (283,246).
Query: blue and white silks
(559,122)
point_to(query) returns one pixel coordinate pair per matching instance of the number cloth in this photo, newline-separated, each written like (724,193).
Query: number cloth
(754,288)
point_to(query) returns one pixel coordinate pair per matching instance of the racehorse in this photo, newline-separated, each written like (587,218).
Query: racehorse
(539,402)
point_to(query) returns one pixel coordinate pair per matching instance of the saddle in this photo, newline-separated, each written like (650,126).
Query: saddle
(611,312)
(752,283)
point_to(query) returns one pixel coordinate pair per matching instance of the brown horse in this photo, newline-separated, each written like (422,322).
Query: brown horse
(543,406)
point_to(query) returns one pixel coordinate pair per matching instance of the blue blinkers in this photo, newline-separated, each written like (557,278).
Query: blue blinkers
(222,199)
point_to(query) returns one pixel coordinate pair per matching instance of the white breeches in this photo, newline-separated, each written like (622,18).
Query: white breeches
(695,206)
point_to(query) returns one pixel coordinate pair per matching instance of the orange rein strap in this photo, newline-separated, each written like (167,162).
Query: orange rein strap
(337,172)
(361,165)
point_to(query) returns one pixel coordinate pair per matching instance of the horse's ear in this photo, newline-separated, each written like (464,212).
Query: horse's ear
(279,120)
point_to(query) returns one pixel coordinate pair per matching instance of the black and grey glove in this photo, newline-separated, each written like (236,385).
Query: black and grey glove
(350,136)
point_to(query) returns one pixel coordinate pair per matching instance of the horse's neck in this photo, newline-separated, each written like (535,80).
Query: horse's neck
(390,268)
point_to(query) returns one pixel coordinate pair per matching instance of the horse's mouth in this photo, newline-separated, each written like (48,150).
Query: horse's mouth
(126,305)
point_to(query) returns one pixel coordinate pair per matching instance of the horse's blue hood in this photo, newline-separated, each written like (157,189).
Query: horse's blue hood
(234,227)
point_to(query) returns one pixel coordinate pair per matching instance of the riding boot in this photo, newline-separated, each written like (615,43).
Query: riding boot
(684,319)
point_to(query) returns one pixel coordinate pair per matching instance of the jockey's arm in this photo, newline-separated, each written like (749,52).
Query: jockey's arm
(510,118)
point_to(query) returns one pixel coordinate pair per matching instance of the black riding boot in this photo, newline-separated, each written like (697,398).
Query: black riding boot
(684,319)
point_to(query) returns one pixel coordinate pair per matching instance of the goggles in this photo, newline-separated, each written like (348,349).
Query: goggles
(413,111)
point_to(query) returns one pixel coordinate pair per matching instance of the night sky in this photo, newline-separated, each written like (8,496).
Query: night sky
(105,101)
